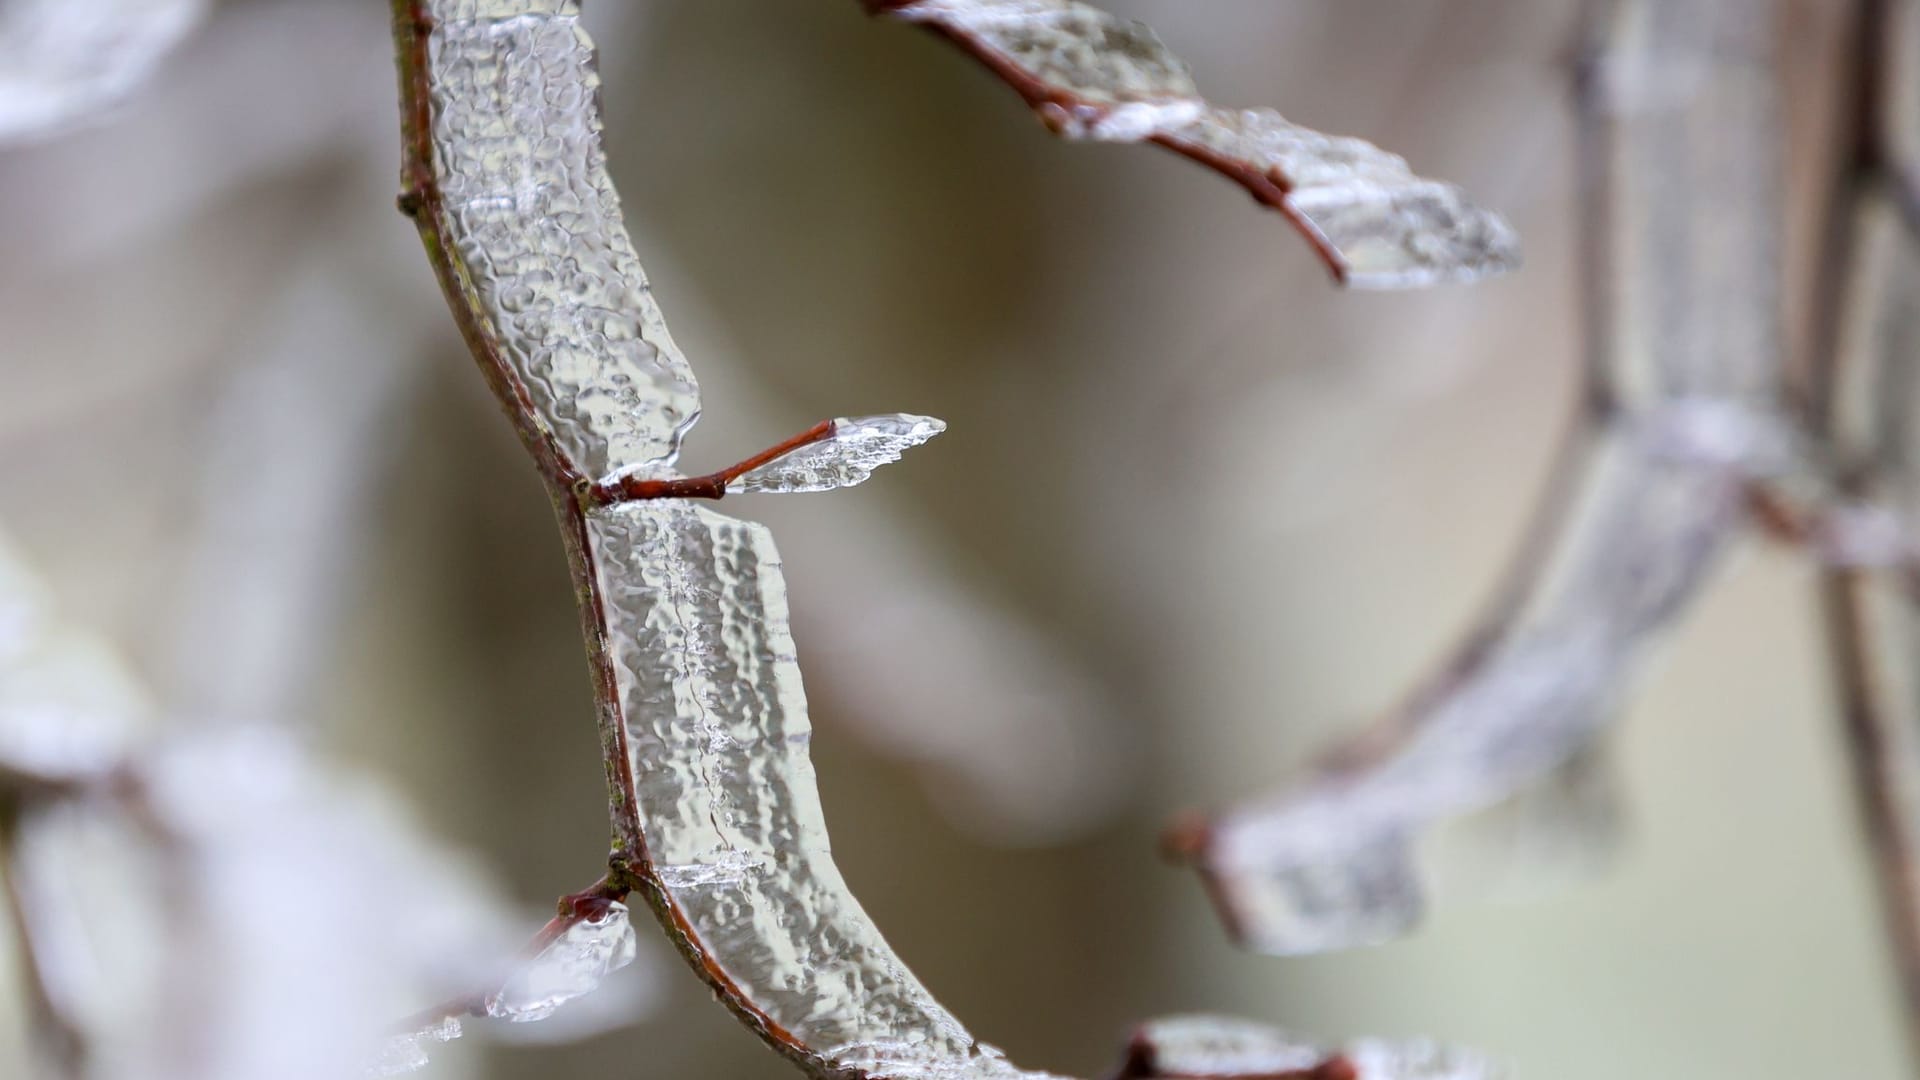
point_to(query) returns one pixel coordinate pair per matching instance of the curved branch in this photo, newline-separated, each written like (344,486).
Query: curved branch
(716,817)
(1091,75)
(1682,412)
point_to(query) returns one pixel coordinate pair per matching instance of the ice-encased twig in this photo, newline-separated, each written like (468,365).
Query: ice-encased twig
(716,816)
(61,59)
(1684,415)
(1093,75)
(519,191)
(847,456)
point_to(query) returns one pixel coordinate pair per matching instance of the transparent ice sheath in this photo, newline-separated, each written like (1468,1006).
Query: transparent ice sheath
(1386,227)
(570,966)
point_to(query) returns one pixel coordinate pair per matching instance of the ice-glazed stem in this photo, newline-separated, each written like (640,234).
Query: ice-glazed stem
(1092,75)
(1682,413)
(716,815)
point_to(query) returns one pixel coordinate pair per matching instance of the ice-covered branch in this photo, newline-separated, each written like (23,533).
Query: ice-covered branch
(1682,417)
(716,816)
(1092,75)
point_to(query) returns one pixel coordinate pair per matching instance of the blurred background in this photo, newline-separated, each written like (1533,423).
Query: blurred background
(1197,513)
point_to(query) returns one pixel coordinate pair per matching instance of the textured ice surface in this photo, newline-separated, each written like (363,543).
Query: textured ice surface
(857,446)
(61,60)
(1213,1046)
(535,224)
(571,965)
(718,736)
(1097,76)
(1694,362)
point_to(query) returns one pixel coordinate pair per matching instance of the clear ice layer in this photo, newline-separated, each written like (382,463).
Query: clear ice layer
(718,735)
(534,223)
(1386,227)
(568,967)
(847,457)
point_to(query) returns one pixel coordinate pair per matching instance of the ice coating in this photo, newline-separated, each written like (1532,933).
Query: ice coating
(534,225)
(1094,75)
(1659,486)
(847,457)
(571,965)
(61,60)
(717,731)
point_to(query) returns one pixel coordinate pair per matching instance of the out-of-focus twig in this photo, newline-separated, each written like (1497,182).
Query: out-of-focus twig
(1681,414)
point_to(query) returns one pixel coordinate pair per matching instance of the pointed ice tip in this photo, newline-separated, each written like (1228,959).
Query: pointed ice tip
(848,456)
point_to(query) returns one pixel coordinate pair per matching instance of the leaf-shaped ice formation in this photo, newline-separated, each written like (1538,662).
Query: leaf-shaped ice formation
(1092,75)
(1687,416)
(522,199)
(571,965)
(63,59)
(848,456)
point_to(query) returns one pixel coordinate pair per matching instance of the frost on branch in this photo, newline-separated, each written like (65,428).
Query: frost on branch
(716,813)
(1687,417)
(61,60)
(1092,75)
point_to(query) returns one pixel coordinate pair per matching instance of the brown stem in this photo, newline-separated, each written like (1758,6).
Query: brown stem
(711,486)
